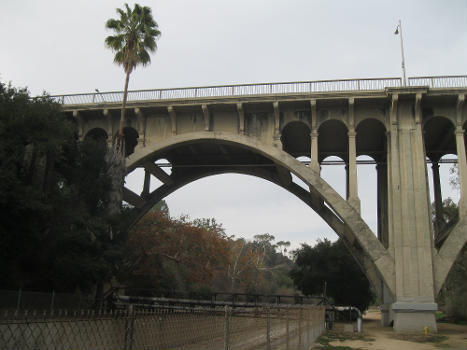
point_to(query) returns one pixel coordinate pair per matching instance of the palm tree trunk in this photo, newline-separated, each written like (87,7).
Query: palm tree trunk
(125,96)
(116,160)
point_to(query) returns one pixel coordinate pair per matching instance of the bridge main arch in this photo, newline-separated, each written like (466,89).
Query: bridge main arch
(376,261)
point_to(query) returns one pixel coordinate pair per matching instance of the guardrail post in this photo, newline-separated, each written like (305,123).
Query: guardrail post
(227,328)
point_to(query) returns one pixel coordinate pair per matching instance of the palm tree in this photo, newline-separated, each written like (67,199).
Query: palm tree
(135,36)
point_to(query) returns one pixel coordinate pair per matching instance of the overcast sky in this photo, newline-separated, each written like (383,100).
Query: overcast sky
(58,46)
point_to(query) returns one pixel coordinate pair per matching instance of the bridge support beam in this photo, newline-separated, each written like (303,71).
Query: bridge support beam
(410,220)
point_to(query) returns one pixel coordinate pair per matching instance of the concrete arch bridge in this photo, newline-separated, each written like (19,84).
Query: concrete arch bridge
(261,129)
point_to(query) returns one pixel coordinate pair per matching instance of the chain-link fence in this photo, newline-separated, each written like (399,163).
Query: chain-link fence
(265,327)
(27,300)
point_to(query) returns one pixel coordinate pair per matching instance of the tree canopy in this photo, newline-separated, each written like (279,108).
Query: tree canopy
(135,37)
(171,255)
(329,266)
(53,194)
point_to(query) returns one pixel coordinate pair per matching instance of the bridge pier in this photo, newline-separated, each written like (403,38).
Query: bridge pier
(410,228)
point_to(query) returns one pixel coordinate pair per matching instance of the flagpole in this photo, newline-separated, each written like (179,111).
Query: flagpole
(399,28)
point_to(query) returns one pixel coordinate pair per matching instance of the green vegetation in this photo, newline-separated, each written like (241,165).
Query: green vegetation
(421,338)
(452,297)
(332,336)
(54,233)
(197,256)
(330,266)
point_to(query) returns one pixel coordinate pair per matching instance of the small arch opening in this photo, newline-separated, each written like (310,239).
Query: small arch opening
(296,139)
(333,140)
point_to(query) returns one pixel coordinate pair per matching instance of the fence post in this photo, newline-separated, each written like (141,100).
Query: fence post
(227,328)
(129,328)
(287,329)
(300,328)
(268,328)
(18,301)
(52,301)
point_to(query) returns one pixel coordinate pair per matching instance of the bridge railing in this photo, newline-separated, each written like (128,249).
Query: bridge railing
(445,81)
(371,84)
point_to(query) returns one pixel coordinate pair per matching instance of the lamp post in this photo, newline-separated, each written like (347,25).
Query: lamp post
(399,31)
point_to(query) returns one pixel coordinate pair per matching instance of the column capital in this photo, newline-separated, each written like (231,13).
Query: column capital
(459,130)
(352,133)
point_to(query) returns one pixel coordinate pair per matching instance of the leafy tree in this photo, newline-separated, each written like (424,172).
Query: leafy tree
(449,211)
(173,254)
(454,177)
(135,37)
(53,194)
(332,265)
(255,267)
(452,297)
(282,246)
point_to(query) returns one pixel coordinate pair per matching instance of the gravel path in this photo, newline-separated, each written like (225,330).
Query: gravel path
(376,337)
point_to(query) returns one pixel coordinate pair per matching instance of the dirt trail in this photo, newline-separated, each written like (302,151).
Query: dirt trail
(376,337)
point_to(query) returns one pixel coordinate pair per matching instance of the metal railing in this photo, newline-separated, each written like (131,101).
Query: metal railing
(371,84)
(446,81)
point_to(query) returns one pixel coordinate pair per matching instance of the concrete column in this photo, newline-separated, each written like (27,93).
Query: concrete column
(173,119)
(79,119)
(352,185)
(110,131)
(462,165)
(314,155)
(276,123)
(438,197)
(241,118)
(314,163)
(382,203)
(207,117)
(414,307)
(140,127)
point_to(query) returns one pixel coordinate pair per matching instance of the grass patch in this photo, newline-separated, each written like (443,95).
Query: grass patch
(331,336)
(442,317)
(421,338)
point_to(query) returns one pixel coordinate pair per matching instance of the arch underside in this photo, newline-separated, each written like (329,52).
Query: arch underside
(201,154)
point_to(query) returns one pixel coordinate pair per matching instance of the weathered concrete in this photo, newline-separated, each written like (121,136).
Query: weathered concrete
(262,135)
